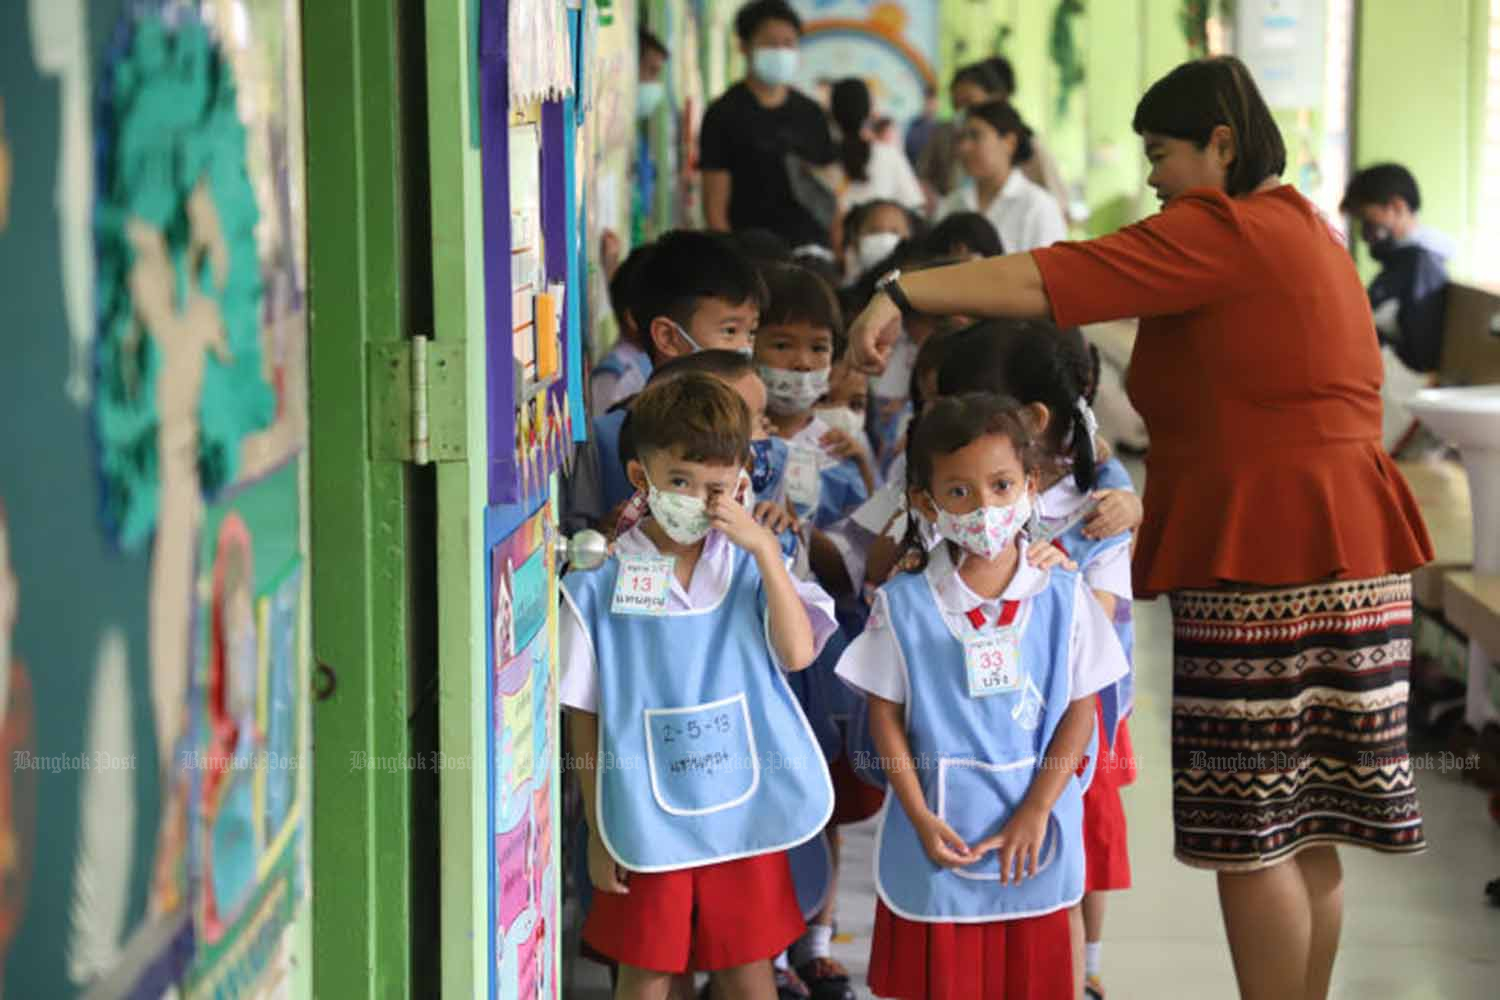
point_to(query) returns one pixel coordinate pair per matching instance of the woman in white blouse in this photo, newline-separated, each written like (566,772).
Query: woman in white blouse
(992,146)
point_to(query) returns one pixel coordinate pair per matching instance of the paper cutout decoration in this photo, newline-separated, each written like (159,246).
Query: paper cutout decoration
(179,288)
(540,51)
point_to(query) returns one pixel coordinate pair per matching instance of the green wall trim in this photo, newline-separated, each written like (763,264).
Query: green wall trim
(458,302)
(361,869)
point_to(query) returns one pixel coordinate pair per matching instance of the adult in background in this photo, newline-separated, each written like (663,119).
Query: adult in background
(1275,521)
(973,85)
(994,147)
(865,170)
(749,132)
(1409,295)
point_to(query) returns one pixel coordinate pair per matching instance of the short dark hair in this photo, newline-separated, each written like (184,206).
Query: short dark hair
(1378,184)
(726,365)
(949,424)
(1003,117)
(648,42)
(1197,97)
(1031,361)
(969,230)
(751,16)
(683,269)
(761,244)
(623,286)
(1005,73)
(980,75)
(797,295)
(695,414)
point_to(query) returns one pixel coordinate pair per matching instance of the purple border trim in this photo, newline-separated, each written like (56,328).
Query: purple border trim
(500,379)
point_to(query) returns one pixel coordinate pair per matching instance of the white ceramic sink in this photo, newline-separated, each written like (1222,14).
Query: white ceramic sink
(1469,419)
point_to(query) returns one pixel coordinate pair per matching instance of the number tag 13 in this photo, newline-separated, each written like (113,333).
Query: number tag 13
(993,662)
(642,586)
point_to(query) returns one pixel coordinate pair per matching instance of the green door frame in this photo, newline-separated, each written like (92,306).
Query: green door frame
(361,867)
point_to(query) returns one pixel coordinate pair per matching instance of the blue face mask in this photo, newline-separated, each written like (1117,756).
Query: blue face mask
(767,466)
(774,67)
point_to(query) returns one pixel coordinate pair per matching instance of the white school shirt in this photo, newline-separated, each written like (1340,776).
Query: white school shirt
(1024,214)
(710,582)
(1111,571)
(874,664)
(888,177)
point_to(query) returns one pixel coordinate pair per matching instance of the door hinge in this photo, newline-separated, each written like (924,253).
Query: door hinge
(418,401)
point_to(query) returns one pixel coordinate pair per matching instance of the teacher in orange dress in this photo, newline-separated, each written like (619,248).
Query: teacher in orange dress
(1281,532)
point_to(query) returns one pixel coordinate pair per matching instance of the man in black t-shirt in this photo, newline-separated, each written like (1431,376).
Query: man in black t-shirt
(748,132)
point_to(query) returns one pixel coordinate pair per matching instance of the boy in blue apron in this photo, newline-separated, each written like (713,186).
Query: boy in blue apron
(981,672)
(706,771)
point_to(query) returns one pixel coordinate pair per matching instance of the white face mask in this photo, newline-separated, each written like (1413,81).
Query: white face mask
(874,248)
(987,531)
(648,97)
(843,418)
(790,392)
(775,67)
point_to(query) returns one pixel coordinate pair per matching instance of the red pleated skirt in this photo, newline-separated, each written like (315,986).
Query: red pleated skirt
(1029,959)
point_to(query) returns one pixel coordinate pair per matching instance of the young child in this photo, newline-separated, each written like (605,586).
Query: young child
(694,291)
(871,231)
(847,401)
(622,372)
(801,336)
(981,672)
(964,236)
(1052,374)
(689,825)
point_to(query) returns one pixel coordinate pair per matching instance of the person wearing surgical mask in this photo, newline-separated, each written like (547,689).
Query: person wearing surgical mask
(754,128)
(651,82)
(871,232)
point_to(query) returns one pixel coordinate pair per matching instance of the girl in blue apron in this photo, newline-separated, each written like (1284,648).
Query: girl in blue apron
(1088,508)
(705,771)
(981,672)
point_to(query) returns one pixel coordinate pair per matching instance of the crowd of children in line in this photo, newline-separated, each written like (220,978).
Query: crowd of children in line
(832,597)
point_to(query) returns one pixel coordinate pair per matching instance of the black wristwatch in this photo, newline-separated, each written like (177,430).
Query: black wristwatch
(890,284)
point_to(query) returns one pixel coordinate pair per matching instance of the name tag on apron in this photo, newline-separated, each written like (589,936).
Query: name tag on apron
(642,585)
(992,661)
(804,484)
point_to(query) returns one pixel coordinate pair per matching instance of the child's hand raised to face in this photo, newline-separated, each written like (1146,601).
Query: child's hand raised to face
(729,516)
(1118,511)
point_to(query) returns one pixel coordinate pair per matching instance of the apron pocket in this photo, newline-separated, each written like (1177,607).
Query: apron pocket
(702,758)
(977,798)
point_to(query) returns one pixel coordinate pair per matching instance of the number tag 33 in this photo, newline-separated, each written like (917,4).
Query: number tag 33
(642,586)
(993,662)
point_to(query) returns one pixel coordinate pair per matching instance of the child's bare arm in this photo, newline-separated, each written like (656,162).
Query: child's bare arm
(584,730)
(888,729)
(828,565)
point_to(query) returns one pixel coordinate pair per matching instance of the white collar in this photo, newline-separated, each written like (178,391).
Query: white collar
(955,597)
(636,542)
(1062,499)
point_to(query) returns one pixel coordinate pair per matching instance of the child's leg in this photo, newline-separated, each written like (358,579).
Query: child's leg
(1269,922)
(752,981)
(1075,936)
(1093,934)
(642,984)
(1324,877)
(683,987)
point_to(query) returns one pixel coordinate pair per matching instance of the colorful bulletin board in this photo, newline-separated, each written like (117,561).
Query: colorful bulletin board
(891,44)
(153,582)
(524,797)
(531,336)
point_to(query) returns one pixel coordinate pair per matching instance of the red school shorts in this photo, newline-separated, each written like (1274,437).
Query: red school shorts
(699,919)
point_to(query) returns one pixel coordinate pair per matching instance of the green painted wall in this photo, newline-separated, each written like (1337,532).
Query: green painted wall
(1420,72)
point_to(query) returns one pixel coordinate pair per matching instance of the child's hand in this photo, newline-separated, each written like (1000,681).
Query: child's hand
(1019,843)
(606,875)
(946,848)
(730,516)
(841,445)
(1118,511)
(775,516)
(1045,556)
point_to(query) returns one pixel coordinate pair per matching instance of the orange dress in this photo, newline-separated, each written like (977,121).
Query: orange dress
(1257,371)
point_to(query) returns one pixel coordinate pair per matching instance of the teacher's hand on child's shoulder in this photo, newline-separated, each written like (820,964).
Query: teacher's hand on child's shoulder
(1117,512)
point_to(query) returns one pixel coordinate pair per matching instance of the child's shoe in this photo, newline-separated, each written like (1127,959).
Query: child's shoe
(1093,988)
(826,979)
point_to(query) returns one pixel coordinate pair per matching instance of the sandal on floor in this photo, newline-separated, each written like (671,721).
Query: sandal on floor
(1093,988)
(826,979)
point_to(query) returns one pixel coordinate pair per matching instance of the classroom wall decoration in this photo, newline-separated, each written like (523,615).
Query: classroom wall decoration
(152,568)
(523,775)
(891,44)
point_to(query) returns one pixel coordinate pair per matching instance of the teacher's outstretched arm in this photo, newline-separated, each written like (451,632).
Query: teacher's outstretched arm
(1008,287)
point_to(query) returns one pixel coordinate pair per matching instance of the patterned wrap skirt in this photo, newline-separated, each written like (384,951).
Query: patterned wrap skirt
(1289,722)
